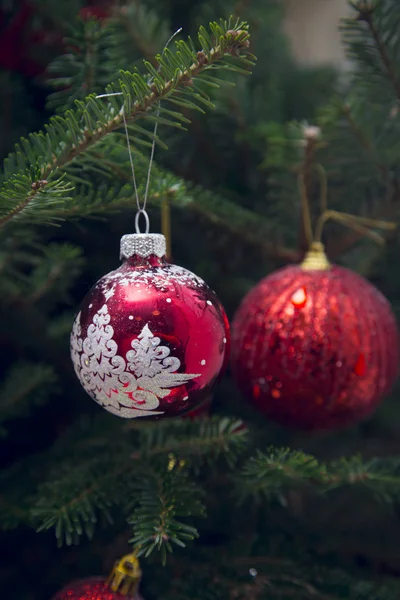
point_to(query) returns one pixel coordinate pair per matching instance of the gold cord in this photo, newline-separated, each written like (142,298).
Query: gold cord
(362,225)
(324,187)
(305,209)
(316,257)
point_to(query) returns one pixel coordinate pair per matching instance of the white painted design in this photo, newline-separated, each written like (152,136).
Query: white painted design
(129,387)
(158,278)
(203,362)
(76,343)
(109,293)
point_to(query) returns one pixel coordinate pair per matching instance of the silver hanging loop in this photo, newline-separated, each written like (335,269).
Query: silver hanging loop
(143,212)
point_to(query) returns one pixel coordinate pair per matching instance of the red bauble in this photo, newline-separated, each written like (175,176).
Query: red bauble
(151,338)
(92,588)
(315,346)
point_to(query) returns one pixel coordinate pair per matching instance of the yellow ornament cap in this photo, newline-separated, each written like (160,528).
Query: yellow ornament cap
(316,259)
(126,575)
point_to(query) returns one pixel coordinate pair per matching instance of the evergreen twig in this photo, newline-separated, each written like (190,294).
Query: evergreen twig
(68,138)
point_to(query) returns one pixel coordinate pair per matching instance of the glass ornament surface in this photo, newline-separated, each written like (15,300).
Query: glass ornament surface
(315,349)
(92,588)
(151,338)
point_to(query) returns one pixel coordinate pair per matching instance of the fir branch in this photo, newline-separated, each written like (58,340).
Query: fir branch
(56,271)
(25,385)
(249,226)
(74,497)
(288,572)
(33,271)
(67,138)
(87,66)
(76,493)
(366,12)
(29,194)
(371,41)
(113,164)
(363,139)
(206,439)
(268,473)
(143,29)
(162,503)
(386,209)
(20,206)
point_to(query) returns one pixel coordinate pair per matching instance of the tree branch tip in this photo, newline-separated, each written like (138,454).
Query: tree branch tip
(201,58)
(365,10)
(38,185)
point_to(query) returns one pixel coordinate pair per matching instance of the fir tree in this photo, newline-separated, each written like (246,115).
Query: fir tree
(225,507)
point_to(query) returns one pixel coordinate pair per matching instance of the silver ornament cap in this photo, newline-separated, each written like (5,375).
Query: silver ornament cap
(143,245)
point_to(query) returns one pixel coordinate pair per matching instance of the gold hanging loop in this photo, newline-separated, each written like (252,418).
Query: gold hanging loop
(126,575)
(363,225)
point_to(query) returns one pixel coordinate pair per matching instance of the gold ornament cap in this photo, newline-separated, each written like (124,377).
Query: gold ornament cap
(316,259)
(126,576)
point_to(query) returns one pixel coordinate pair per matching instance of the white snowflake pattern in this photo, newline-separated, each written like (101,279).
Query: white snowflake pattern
(76,343)
(138,381)
(159,278)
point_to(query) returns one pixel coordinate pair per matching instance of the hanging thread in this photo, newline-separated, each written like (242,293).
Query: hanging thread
(141,209)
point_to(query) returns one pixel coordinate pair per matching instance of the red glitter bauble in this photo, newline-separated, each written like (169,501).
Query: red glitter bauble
(151,338)
(92,588)
(315,346)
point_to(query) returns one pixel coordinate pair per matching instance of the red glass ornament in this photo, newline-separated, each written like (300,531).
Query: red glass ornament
(151,338)
(315,346)
(92,588)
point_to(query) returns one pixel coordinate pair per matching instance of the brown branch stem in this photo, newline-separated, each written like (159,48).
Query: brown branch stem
(20,206)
